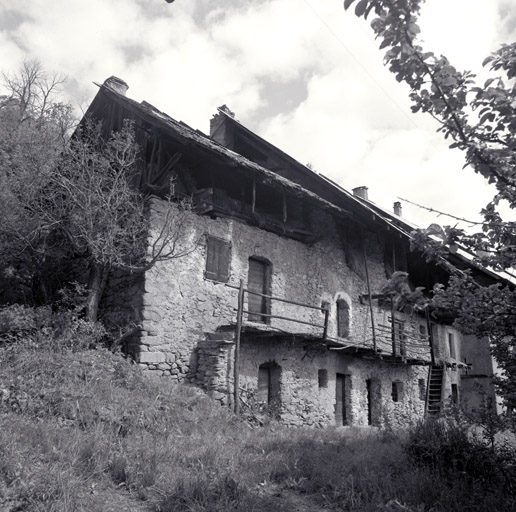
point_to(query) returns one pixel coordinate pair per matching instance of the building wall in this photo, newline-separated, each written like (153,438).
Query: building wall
(180,305)
(303,402)
(188,322)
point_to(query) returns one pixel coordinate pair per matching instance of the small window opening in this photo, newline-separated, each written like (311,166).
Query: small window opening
(422,389)
(451,345)
(323,378)
(397,391)
(342,319)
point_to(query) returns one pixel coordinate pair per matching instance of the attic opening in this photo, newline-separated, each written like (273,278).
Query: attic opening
(395,255)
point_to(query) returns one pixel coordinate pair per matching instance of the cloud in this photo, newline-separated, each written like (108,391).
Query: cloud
(341,110)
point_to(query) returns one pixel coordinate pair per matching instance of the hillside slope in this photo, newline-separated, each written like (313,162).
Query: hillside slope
(83,430)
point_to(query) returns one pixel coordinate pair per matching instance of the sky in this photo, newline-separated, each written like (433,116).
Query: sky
(304,74)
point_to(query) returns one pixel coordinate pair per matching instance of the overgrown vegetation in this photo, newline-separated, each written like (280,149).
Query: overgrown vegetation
(70,204)
(82,429)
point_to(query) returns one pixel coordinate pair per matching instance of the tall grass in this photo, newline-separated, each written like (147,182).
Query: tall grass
(83,430)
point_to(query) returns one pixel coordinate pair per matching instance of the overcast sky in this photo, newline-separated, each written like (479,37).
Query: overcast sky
(304,74)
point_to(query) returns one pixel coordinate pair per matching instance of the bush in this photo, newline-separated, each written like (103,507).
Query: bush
(484,474)
(39,326)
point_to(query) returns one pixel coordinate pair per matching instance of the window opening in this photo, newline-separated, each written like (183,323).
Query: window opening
(451,345)
(323,378)
(397,391)
(258,282)
(422,389)
(342,319)
(218,259)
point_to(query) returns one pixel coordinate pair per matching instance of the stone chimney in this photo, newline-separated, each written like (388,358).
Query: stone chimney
(361,192)
(397,208)
(116,84)
(221,129)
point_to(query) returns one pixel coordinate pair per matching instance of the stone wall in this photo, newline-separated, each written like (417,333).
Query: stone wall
(180,306)
(188,323)
(304,402)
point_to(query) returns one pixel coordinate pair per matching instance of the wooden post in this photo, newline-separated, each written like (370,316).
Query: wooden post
(284,198)
(430,336)
(326,317)
(236,372)
(393,328)
(373,328)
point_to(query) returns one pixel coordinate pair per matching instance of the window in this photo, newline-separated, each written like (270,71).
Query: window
(397,391)
(258,282)
(218,259)
(342,319)
(451,345)
(422,389)
(323,378)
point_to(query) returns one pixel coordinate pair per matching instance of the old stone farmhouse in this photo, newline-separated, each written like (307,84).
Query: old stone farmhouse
(319,339)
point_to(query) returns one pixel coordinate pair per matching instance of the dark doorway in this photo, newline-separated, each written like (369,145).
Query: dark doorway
(269,375)
(369,403)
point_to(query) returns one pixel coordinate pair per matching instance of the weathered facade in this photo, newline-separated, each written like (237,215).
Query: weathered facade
(318,338)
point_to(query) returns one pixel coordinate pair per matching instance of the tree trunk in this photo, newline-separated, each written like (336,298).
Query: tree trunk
(96,284)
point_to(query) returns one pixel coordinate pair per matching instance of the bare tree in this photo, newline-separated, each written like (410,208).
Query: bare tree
(63,199)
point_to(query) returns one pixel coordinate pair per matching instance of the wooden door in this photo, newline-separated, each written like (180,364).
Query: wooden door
(369,403)
(257,282)
(340,399)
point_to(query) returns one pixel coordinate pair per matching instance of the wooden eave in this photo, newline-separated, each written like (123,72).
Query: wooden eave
(211,150)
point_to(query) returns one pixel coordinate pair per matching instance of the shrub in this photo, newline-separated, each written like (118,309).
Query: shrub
(483,474)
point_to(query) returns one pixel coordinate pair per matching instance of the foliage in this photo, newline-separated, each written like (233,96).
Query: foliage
(452,449)
(480,121)
(72,201)
(33,132)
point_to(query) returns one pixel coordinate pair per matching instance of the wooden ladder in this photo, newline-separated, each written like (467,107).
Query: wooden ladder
(435,390)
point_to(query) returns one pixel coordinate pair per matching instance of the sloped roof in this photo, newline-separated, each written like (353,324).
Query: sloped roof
(189,136)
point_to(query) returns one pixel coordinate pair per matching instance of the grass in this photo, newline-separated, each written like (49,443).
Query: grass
(83,430)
